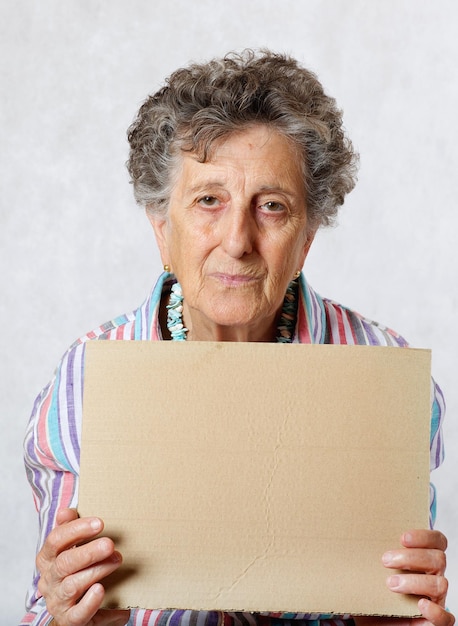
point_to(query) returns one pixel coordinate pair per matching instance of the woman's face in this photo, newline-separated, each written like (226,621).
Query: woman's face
(236,231)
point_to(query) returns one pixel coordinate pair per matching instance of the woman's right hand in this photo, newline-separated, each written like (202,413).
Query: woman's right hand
(71,563)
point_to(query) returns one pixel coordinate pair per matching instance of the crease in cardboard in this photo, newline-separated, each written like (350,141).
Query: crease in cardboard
(279,444)
(240,577)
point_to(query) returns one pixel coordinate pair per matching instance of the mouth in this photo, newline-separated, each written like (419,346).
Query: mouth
(234,280)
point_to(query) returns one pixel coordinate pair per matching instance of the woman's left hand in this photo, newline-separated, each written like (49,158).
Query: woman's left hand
(422,559)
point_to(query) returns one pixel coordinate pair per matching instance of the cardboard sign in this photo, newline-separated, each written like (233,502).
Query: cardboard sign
(255,477)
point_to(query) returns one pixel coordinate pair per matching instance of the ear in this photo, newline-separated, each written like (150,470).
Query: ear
(160,227)
(308,242)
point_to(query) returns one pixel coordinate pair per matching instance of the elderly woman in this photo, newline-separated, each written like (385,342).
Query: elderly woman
(238,162)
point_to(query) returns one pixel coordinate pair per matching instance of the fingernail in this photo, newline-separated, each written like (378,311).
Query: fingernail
(407,538)
(96,524)
(115,557)
(422,604)
(387,558)
(393,582)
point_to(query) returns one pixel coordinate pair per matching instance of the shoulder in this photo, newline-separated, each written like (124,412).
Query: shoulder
(141,323)
(69,373)
(346,326)
(121,327)
(54,429)
(322,320)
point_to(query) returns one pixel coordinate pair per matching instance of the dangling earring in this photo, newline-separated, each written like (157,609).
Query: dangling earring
(166,268)
(297,274)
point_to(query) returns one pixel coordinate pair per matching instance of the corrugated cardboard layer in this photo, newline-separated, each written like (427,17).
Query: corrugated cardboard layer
(255,477)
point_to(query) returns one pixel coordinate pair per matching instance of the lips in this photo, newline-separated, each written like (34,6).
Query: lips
(234,280)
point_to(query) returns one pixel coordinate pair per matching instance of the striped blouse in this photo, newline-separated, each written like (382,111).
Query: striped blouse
(52,441)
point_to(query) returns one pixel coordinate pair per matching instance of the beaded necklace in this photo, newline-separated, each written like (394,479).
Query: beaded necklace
(285,329)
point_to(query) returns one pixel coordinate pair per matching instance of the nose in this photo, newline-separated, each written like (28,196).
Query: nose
(238,231)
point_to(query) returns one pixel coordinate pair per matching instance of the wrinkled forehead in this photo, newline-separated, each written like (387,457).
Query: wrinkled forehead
(202,144)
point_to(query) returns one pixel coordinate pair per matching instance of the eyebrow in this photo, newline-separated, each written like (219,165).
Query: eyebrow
(275,189)
(209,184)
(206,183)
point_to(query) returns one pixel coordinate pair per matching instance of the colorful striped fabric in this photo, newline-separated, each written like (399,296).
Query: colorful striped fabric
(52,442)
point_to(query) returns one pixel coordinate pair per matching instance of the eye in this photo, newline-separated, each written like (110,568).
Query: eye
(272,207)
(208,201)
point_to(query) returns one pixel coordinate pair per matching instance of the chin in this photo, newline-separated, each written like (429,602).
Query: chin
(236,317)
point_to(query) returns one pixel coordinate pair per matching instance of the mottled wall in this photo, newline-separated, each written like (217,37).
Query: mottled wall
(75,249)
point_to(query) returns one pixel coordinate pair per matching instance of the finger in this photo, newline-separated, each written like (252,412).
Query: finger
(76,559)
(82,613)
(69,562)
(433,587)
(66,515)
(70,534)
(73,588)
(435,614)
(424,539)
(423,560)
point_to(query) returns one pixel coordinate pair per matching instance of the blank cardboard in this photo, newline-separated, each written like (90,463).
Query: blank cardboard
(256,477)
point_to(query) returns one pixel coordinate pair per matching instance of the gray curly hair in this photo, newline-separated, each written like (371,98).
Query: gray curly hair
(203,103)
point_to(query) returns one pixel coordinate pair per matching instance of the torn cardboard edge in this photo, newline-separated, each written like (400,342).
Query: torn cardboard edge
(256,477)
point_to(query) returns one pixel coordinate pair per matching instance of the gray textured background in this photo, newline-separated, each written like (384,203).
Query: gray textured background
(76,251)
